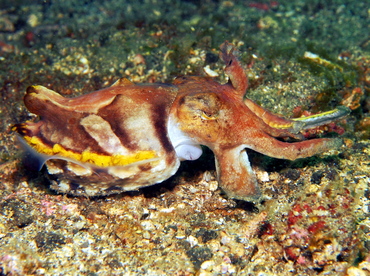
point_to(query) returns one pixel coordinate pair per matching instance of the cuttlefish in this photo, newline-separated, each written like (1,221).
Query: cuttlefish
(129,136)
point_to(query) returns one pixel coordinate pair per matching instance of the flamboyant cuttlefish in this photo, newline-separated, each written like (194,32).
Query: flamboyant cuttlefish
(129,136)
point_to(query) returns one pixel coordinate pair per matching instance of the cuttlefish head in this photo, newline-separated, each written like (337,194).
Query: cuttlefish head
(215,118)
(204,114)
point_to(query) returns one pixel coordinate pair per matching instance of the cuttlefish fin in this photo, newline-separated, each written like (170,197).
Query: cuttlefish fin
(31,158)
(35,160)
(38,97)
(235,174)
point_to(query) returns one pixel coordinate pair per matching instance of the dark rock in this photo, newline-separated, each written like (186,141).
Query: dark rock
(211,58)
(49,240)
(292,174)
(316,177)
(198,255)
(206,235)
(18,211)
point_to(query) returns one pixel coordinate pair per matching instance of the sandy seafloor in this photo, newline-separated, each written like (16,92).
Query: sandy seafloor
(313,218)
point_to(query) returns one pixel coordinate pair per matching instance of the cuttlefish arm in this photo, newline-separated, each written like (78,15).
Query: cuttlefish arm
(218,118)
(281,127)
(233,69)
(235,174)
(276,126)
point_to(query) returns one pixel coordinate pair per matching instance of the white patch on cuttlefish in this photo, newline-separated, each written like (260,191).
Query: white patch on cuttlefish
(185,147)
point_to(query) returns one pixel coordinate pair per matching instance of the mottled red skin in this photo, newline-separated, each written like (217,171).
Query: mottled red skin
(236,124)
(137,116)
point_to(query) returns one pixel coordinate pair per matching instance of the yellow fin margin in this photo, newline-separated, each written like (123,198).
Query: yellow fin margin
(89,157)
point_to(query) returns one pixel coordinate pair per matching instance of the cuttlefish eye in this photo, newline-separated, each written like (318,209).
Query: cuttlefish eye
(203,105)
(207,116)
